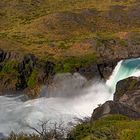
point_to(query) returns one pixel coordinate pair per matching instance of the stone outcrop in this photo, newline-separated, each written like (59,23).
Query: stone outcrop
(111,107)
(126,86)
(25,68)
(128,92)
(26,65)
(126,100)
(109,52)
(16,71)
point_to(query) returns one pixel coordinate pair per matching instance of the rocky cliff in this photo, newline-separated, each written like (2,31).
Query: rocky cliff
(20,72)
(41,38)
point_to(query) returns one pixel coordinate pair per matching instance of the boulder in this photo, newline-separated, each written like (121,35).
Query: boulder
(126,100)
(111,107)
(125,86)
(128,92)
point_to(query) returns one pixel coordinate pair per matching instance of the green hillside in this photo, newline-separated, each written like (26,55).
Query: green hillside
(70,34)
(58,27)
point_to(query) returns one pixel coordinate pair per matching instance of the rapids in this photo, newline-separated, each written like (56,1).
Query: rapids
(17,116)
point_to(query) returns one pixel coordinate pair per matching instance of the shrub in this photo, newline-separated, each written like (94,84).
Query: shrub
(113,127)
(56,132)
(71,63)
(32,79)
(10,67)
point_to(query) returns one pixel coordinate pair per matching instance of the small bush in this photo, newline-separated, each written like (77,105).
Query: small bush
(32,79)
(10,67)
(56,132)
(71,63)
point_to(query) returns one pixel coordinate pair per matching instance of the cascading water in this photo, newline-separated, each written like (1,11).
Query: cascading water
(123,70)
(16,115)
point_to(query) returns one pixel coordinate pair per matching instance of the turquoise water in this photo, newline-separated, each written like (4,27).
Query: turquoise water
(123,70)
(16,115)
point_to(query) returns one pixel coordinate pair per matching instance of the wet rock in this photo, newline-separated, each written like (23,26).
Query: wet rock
(111,107)
(125,86)
(126,100)
(128,92)
(106,68)
(46,72)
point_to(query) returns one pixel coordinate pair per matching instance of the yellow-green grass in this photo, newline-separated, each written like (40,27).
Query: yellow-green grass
(56,27)
(114,127)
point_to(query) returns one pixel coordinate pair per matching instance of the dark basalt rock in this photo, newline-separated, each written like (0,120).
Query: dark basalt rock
(111,107)
(8,55)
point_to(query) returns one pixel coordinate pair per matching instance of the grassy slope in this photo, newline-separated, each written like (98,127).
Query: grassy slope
(64,31)
(114,127)
(56,27)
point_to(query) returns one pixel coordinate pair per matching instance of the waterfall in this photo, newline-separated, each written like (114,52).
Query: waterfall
(16,115)
(123,70)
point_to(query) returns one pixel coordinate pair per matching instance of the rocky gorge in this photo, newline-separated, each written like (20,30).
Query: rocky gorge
(29,71)
(89,40)
(72,59)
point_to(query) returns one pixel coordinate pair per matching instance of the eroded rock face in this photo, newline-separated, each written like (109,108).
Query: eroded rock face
(126,100)
(126,86)
(25,68)
(19,72)
(111,107)
(105,69)
(128,92)
(132,99)
(108,53)
(2,55)
(90,72)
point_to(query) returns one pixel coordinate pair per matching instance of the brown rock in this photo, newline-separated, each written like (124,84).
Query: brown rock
(111,107)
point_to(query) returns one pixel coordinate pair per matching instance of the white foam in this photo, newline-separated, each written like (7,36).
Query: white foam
(16,115)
